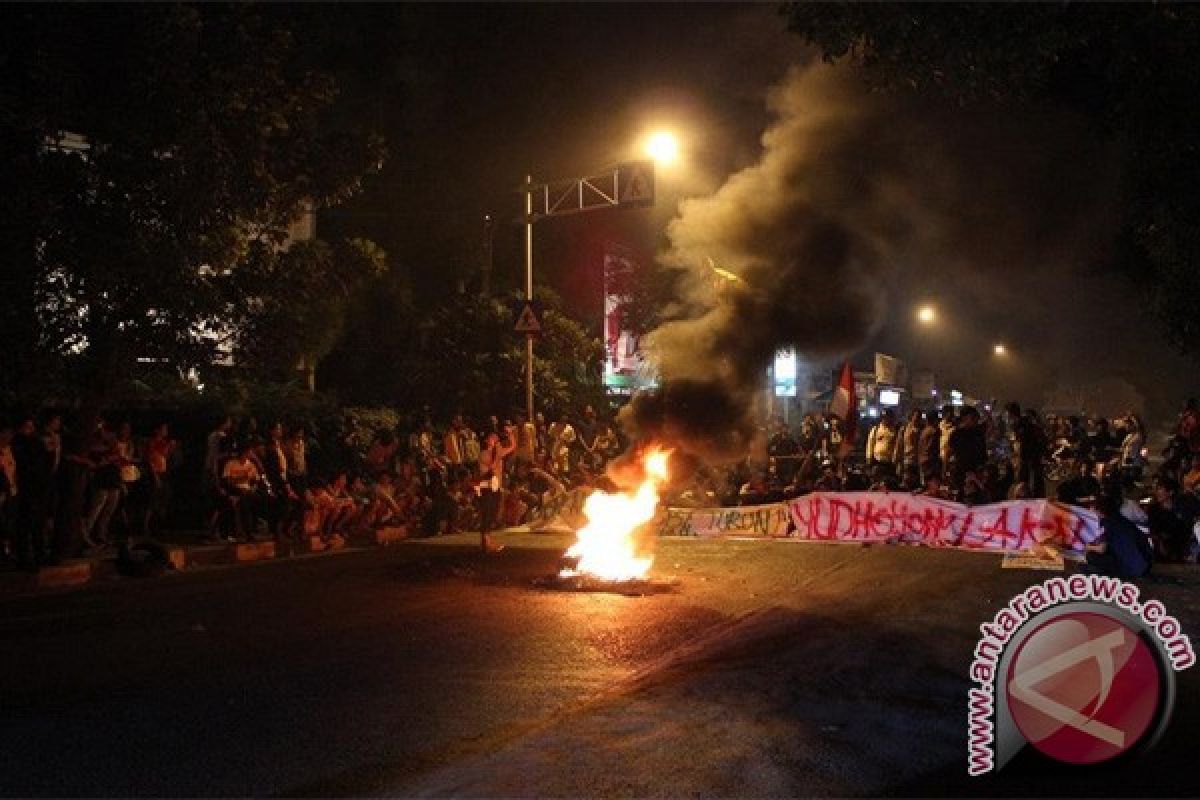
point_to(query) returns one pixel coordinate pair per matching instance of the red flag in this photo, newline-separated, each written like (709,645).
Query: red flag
(845,405)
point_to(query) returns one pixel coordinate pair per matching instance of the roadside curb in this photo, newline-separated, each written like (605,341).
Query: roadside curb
(77,573)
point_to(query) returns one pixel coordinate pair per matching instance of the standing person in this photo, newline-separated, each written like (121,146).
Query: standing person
(297,457)
(1132,461)
(133,505)
(491,475)
(909,445)
(471,449)
(158,451)
(562,441)
(542,443)
(946,428)
(929,451)
(527,438)
(882,442)
(74,474)
(106,485)
(968,448)
(32,487)
(1029,449)
(452,449)
(281,498)
(215,447)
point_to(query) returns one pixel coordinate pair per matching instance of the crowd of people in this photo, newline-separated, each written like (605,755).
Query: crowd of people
(67,492)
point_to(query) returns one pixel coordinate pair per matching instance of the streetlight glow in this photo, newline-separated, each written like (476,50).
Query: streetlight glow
(926,314)
(663,147)
(1000,350)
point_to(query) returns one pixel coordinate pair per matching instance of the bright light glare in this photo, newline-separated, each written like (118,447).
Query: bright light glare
(926,314)
(663,147)
(1000,350)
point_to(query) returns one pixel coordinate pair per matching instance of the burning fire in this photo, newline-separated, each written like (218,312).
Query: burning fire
(607,546)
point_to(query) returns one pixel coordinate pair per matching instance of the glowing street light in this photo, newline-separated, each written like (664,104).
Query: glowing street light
(927,315)
(1000,350)
(663,147)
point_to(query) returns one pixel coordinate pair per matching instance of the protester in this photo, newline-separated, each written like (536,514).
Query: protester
(883,442)
(1122,550)
(967,448)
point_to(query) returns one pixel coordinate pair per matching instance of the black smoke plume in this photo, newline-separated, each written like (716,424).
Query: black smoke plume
(853,190)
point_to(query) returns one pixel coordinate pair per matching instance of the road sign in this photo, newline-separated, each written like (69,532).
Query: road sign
(528,320)
(636,180)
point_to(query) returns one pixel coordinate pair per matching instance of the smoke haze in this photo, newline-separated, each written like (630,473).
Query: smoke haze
(859,199)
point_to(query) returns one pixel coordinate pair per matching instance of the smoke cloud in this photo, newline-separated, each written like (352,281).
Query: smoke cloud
(854,194)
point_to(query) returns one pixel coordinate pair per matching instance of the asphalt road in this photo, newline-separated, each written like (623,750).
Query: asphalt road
(772,668)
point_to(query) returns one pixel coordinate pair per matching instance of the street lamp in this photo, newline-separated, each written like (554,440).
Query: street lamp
(663,147)
(927,315)
(999,349)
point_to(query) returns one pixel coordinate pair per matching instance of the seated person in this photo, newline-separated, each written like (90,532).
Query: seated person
(1171,515)
(934,487)
(754,491)
(382,508)
(240,479)
(1122,551)
(1080,483)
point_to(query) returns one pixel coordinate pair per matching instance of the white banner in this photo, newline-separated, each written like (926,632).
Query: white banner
(770,520)
(1012,526)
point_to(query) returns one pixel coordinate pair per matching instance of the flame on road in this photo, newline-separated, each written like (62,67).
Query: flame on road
(609,546)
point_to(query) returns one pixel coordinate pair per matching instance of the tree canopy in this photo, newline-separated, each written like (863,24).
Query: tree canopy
(154,157)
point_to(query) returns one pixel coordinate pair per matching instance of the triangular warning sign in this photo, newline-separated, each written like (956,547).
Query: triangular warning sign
(527,321)
(638,187)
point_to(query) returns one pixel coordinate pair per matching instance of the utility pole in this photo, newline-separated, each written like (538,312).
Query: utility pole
(489,233)
(529,296)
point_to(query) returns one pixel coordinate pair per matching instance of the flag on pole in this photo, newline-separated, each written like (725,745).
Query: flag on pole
(845,405)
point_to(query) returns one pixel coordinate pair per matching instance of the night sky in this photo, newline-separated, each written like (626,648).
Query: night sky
(471,98)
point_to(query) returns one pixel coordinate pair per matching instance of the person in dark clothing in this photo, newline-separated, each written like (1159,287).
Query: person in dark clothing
(929,458)
(1081,484)
(1030,447)
(1171,517)
(33,479)
(967,448)
(1122,551)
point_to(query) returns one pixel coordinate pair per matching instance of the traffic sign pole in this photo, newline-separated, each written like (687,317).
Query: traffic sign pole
(627,185)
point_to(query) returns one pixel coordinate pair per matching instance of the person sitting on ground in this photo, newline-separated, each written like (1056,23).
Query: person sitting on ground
(754,491)
(974,492)
(1171,515)
(1122,550)
(1079,484)
(383,508)
(443,512)
(934,487)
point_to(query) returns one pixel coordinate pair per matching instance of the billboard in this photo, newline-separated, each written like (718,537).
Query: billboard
(625,367)
(785,373)
(890,370)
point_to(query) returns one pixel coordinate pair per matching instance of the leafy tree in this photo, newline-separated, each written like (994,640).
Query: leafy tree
(462,355)
(295,329)
(1127,67)
(205,132)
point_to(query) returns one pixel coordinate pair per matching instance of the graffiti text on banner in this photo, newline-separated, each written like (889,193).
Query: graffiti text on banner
(769,520)
(877,516)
